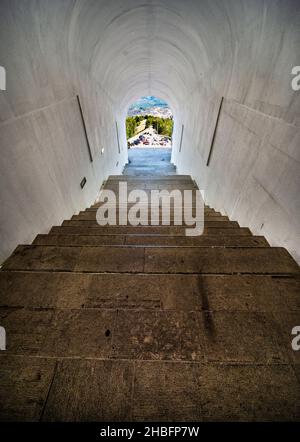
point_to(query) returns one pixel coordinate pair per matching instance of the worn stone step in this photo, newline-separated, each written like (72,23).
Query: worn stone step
(159,185)
(193,205)
(202,240)
(160,207)
(107,384)
(142,171)
(79,240)
(147,192)
(35,389)
(150,178)
(143,240)
(207,223)
(58,333)
(249,293)
(147,188)
(218,260)
(144,230)
(207,212)
(134,318)
(24,386)
(60,258)
(192,392)
(177,335)
(265,260)
(92,216)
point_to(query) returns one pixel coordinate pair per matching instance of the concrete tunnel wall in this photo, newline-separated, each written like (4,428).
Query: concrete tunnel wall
(190,53)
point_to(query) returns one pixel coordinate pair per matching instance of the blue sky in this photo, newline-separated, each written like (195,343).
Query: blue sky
(144,103)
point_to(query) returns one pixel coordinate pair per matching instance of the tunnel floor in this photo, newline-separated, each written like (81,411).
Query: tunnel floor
(149,161)
(146,324)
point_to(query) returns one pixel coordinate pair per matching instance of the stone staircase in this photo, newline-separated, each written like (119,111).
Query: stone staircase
(144,323)
(149,161)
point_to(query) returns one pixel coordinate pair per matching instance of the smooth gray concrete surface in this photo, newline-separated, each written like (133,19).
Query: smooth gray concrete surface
(189,53)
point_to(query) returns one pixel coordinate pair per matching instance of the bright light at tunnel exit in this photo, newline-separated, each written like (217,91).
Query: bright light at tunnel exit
(149,123)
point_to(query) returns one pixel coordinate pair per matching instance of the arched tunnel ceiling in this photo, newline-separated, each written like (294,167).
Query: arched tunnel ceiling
(166,48)
(161,48)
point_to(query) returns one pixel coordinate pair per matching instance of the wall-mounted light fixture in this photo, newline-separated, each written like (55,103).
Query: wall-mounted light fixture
(83,181)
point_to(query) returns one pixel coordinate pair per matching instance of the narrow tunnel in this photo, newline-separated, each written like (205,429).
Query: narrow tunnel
(192,54)
(148,326)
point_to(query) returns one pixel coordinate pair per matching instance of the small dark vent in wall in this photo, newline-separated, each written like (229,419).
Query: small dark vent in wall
(83,181)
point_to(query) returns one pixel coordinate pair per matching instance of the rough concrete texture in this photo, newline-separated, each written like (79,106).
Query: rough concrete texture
(134,326)
(190,53)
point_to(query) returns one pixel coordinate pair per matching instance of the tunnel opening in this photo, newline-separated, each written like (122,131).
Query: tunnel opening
(134,319)
(149,129)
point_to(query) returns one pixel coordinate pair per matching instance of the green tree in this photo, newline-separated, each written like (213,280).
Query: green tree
(131,124)
(164,126)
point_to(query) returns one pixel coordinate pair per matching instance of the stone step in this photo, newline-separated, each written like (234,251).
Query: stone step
(144,171)
(131,317)
(148,192)
(42,388)
(91,215)
(147,195)
(151,185)
(198,241)
(245,293)
(153,178)
(129,205)
(144,230)
(93,223)
(132,259)
(136,334)
(207,212)
(143,240)
(219,260)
